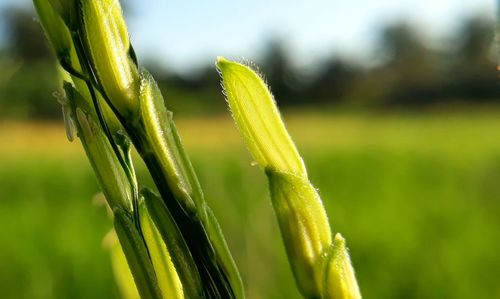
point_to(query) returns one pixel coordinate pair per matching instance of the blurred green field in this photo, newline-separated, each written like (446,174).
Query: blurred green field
(416,196)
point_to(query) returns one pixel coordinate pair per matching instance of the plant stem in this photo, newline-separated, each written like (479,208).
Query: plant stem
(192,229)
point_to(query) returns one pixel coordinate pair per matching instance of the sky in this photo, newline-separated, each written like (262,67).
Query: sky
(182,35)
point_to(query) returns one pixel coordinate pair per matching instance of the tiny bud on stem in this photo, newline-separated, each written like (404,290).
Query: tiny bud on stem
(258,118)
(107,42)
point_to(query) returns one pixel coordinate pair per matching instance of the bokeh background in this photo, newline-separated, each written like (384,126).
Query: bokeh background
(395,106)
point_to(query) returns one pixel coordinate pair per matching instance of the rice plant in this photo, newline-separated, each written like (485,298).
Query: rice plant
(171,240)
(169,236)
(320,262)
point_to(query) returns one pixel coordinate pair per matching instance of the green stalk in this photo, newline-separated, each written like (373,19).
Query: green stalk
(214,274)
(320,264)
(91,41)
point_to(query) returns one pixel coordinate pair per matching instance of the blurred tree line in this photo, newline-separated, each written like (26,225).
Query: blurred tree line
(409,75)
